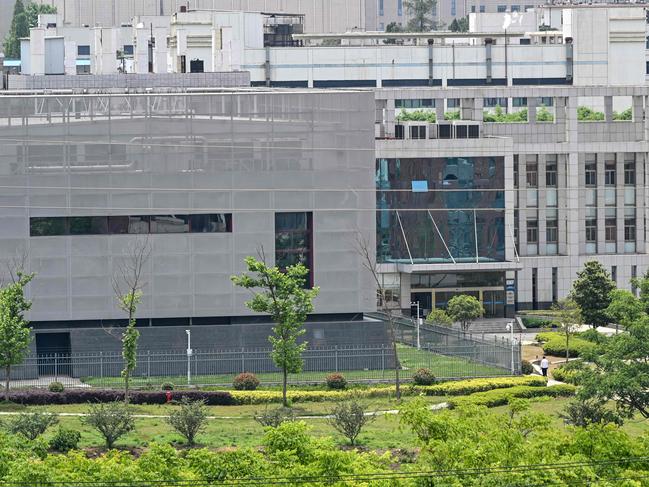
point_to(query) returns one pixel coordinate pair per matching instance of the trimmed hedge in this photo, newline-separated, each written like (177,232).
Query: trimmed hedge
(537,322)
(555,344)
(502,397)
(39,397)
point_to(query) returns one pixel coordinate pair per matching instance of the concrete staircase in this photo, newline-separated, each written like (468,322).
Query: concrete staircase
(497,325)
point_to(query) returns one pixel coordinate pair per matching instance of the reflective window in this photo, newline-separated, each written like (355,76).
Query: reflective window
(591,174)
(629,173)
(609,174)
(293,241)
(610,229)
(127,224)
(551,174)
(591,230)
(83,50)
(532,231)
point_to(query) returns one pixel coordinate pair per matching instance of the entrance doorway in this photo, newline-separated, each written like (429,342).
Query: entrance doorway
(54,354)
(492,299)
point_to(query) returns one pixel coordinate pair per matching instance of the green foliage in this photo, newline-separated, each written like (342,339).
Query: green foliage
(56,387)
(189,420)
(290,437)
(620,371)
(439,317)
(624,307)
(420,13)
(461,25)
(501,397)
(585,114)
(19,28)
(167,386)
(111,420)
(592,336)
(500,116)
(245,382)
(643,286)
(584,412)
(592,292)
(281,295)
(336,381)
(465,309)
(544,115)
(423,377)
(526,367)
(275,416)
(452,115)
(32,425)
(536,322)
(568,320)
(555,344)
(570,372)
(15,334)
(420,115)
(625,115)
(349,418)
(33,10)
(65,440)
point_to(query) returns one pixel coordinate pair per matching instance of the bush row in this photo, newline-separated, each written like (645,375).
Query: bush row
(555,344)
(537,322)
(227,398)
(569,372)
(502,397)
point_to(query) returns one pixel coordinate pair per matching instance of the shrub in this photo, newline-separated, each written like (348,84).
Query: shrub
(274,417)
(536,322)
(583,413)
(245,382)
(593,336)
(502,397)
(569,372)
(189,420)
(65,440)
(56,387)
(32,425)
(526,367)
(290,437)
(439,317)
(336,381)
(167,386)
(112,420)
(349,418)
(471,386)
(423,377)
(555,345)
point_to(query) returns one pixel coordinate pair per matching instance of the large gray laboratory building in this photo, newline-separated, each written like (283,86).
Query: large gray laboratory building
(205,179)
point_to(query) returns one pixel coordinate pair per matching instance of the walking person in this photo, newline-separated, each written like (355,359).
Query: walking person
(544,366)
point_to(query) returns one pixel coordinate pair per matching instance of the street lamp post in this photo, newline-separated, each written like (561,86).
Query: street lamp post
(417,323)
(189,356)
(510,329)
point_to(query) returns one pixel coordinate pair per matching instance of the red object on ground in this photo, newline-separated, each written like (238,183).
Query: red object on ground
(168,394)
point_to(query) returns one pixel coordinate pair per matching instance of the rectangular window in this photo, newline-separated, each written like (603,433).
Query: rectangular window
(647,67)
(614,273)
(495,102)
(516,171)
(83,50)
(501,8)
(472,9)
(552,231)
(381,7)
(546,101)
(515,8)
(400,8)
(417,131)
(629,230)
(591,230)
(532,177)
(555,284)
(591,174)
(609,174)
(128,49)
(629,173)
(125,224)
(453,8)
(294,241)
(482,9)
(634,276)
(532,231)
(519,101)
(452,103)
(610,230)
(551,174)
(414,103)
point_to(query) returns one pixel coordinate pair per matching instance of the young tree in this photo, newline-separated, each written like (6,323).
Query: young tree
(461,25)
(128,284)
(349,418)
(569,320)
(19,28)
(625,307)
(15,334)
(368,261)
(465,309)
(112,420)
(189,420)
(421,14)
(439,317)
(592,293)
(281,295)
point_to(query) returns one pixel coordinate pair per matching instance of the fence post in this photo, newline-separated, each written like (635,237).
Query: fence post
(382,361)
(336,352)
(56,367)
(148,364)
(101,365)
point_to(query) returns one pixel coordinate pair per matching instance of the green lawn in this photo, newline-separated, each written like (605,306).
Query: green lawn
(411,359)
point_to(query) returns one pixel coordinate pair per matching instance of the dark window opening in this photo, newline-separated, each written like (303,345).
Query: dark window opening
(294,241)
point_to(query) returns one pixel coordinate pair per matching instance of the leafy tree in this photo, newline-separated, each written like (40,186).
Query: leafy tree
(439,317)
(19,28)
(642,284)
(33,10)
(584,412)
(15,334)
(349,418)
(592,292)
(189,420)
(112,420)
(32,425)
(421,14)
(624,307)
(569,320)
(620,371)
(282,295)
(465,309)
(461,25)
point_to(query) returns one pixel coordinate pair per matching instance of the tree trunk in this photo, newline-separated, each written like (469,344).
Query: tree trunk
(284,382)
(567,347)
(8,375)
(397,364)
(126,384)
